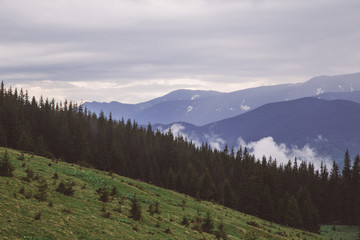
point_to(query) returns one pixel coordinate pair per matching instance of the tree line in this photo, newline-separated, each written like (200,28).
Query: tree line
(293,194)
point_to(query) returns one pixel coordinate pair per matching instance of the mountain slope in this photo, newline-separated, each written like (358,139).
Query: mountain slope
(202,107)
(350,96)
(328,126)
(84,216)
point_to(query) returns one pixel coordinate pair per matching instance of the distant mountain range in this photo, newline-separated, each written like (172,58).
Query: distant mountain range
(203,107)
(322,113)
(328,126)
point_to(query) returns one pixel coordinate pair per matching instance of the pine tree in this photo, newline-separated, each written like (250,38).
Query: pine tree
(6,168)
(346,191)
(135,211)
(207,186)
(228,196)
(41,194)
(208,224)
(334,200)
(267,208)
(220,232)
(310,216)
(3,138)
(65,188)
(355,190)
(292,215)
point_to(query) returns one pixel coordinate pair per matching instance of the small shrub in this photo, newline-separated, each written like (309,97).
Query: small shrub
(83,187)
(220,233)
(66,210)
(122,200)
(185,221)
(65,188)
(29,175)
(167,230)
(22,190)
(114,192)
(38,216)
(151,209)
(183,204)
(253,223)
(23,165)
(104,194)
(50,204)
(41,194)
(157,225)
(106,214)
(197,221)
(103,209)
(37,177)
(21,157)
(135,228)
(118,209)
(28,194)
(50,164)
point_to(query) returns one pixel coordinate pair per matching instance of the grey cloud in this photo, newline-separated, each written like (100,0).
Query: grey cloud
(225,42)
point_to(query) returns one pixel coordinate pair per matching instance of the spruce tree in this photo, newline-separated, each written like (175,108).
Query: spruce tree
(355,190)
(208,224)
(346,195)
(135,211)
(3,138)
(292,215)
(41,194)
(6,168)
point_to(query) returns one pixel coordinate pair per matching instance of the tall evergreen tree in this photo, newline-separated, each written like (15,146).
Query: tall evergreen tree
(346,196)
(292,215)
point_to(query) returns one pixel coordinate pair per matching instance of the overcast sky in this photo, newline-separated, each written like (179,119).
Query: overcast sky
(135,50)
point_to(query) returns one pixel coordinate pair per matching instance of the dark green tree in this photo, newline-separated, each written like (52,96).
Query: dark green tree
(220,232)
(292,215)
(6,168)
(65,188)
(41,194)
(135,211)
(207,224)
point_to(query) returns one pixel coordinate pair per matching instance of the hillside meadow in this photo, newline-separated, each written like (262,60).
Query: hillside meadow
(30,212)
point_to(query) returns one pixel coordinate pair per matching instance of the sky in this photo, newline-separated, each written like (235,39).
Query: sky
(135,50)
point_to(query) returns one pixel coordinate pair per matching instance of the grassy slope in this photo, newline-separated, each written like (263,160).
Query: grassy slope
(86,221)
(338,232)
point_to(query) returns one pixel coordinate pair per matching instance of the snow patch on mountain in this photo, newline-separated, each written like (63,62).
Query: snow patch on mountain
(341,88)
(268,147)
(195,96)
(189,108)
(243,106)
(319,91)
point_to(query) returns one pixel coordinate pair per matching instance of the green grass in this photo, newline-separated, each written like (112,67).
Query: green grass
(86,221)
(338,232)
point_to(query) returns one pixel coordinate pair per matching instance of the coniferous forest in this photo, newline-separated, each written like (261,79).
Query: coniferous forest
(295,194)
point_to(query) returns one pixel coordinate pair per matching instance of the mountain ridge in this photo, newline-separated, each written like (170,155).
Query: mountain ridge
(297,122)
(211,106)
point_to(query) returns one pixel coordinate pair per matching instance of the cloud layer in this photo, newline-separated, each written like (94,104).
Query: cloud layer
(268,147)
(264,147)
(136,50)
